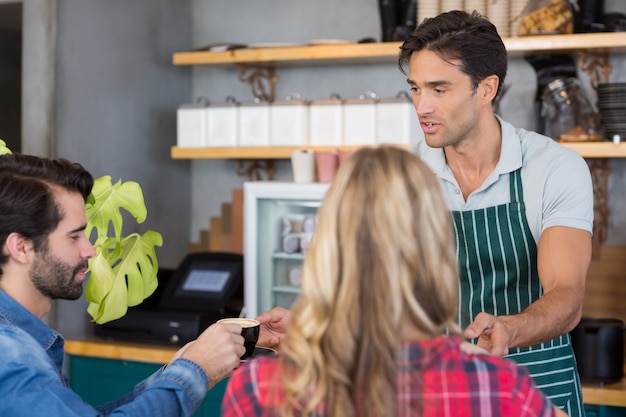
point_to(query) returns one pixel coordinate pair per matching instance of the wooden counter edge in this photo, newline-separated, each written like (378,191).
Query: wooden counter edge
(612,394)
(120,351)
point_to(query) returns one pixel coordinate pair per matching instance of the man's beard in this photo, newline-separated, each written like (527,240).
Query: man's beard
(55,278)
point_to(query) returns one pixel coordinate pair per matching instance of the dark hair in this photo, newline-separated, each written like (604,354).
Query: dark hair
(27,202)
(458,36)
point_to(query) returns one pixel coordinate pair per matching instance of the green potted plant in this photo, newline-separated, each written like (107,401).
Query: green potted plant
(123,272)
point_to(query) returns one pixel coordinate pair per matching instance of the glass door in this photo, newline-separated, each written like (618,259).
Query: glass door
(280,219)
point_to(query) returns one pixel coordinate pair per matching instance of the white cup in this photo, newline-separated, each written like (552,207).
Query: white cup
(303,166)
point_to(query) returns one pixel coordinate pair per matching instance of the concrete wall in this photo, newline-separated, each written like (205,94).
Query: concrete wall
(299,21)
(116,99)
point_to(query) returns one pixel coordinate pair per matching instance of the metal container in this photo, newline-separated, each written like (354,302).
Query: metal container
(222,121)
(326,121)
(289,122)
(191,128)
(599,348)
(359,120)
(396,121)
(254,123)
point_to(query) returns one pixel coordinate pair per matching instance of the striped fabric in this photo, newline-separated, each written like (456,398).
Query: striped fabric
(497,258)
(435,379)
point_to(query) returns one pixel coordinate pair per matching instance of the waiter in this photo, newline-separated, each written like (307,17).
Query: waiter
(522,204)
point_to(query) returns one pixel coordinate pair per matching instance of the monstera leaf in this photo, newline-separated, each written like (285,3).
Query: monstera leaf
(125,274)
(3,148)
(105,202)
(123,271)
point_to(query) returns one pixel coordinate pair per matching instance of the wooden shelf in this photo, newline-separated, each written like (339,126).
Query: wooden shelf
(264,152)
(586,149)
(598,149)
(387,51)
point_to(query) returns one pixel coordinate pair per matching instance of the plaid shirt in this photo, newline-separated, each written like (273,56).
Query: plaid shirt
(435,378)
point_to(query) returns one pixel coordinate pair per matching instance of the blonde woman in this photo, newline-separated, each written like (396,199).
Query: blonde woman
(379,289)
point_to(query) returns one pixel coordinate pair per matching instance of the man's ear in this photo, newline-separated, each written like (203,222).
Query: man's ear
(490,87)
(18,248)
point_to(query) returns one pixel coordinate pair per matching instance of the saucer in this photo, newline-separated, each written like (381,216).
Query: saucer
(260,351)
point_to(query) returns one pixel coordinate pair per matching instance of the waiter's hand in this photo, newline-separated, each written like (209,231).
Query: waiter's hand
(273,327)
(217,350)
(492,332)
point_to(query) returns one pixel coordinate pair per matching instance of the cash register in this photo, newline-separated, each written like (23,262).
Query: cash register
(205,287)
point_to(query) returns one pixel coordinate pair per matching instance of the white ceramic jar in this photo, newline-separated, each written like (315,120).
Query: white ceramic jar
(254,123)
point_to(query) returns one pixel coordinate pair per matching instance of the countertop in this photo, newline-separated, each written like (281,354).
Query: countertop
(610,394)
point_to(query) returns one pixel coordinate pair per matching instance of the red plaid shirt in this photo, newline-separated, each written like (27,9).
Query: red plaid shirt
(435,378)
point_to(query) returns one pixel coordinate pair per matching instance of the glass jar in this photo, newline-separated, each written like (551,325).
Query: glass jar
(547,17)
(567,113)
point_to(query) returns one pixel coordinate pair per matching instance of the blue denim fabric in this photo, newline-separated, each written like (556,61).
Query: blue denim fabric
(32,383)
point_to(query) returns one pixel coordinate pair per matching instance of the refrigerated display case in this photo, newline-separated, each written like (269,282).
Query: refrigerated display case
(279,221)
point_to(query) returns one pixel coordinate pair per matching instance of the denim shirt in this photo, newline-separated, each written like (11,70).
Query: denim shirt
(32,382)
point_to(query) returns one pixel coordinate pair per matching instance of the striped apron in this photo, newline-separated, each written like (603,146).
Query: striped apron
(498,266)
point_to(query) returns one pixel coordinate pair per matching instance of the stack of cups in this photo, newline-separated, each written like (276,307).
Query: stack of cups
(498,14)
(427,9)
(327,164)
(448,5)
(516,13)
(305,164)
(479,5)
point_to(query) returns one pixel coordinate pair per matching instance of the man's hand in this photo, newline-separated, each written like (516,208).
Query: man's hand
(492,332)
(472,349)
(273,327)
(217,350)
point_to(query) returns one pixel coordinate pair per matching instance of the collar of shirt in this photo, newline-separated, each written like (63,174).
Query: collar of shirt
(13,313)
(510,156)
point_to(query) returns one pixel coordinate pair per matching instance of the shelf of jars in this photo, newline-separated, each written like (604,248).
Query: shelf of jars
(586,149)
(387,51)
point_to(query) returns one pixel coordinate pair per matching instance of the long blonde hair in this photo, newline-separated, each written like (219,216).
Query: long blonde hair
(382,259)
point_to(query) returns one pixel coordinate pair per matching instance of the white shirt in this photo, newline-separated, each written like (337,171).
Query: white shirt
(556,181)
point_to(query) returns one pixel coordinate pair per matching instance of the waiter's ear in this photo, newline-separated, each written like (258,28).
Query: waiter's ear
(489,87)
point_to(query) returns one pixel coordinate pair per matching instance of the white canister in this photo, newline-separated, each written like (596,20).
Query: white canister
(359,120)
(289,122)
(254,123)
(191,129)
(222,121)
(326,121)
(396,121)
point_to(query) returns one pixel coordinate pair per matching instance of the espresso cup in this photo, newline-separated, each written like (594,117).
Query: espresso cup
(249,330)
